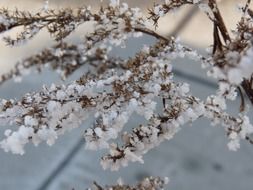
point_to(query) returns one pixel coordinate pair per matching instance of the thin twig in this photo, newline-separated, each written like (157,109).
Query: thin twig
(151,33)
(219,20)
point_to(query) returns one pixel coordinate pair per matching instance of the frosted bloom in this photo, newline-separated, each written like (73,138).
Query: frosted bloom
(132,156)
(246,128)
(181,119)
(168,68)
(199,108)
(112,133)
(155,88)
(227,90)
(52,106)
(136,94)
(30,121)
(16,141)
(98,131)
(232,57)
(148,110)
(114,166)
(158,10)
(184,89)
(216,73)
(145,49)
(98,138)
(96,145)
(217,101)
(235,76)
(246,64)
(193,55)
(60,95)
(190,114)
(234,144)
(53,87)
(47,134)
(233,135)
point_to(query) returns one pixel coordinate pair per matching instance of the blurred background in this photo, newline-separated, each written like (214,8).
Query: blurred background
(197,158)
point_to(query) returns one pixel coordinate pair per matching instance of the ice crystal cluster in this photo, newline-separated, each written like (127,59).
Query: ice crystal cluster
(113,89)
(146,184)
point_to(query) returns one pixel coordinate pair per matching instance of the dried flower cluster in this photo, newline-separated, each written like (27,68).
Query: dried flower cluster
(112,89)
(146,184)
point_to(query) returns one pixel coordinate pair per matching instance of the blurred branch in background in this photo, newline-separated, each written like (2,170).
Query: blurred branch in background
(184,21)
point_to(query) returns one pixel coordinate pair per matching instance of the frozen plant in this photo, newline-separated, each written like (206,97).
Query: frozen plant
(112,88)
(146,184)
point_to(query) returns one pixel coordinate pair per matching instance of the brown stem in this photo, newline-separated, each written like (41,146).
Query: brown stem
(151,33)
(246,6)
(242,106)
(219,20)
(248,89)
(217,45)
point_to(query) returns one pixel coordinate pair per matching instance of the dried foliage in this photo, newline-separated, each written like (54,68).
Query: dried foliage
(146,184)
(113,89)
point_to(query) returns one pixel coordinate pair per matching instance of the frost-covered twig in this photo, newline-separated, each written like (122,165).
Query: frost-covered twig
(150,183)
(113,89)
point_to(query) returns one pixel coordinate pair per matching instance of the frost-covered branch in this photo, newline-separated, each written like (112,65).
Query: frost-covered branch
(150,183)
(112,89)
